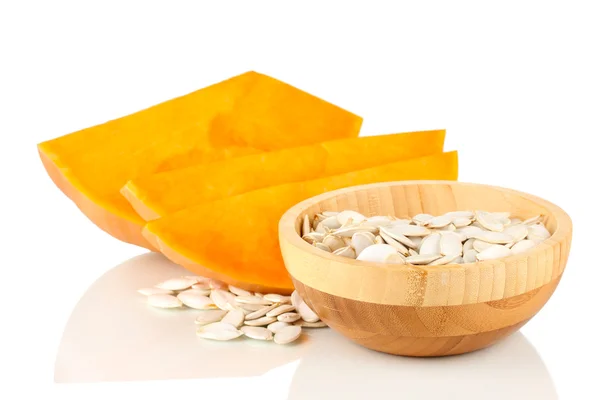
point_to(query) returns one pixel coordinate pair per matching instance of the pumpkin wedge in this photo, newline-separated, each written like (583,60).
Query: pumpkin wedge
(214,123)
(164,193)
(236,239)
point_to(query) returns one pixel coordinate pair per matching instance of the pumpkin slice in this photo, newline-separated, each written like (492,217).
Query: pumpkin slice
(236,239)
(92,165)
(164,193)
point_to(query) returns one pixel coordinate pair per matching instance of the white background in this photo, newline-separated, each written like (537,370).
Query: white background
(516,85)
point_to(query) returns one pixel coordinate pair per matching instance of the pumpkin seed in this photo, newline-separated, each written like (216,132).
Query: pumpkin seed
(421,219)
(262,312)
(197,301)
(261,321)
(215,284)
(407,230)
(376,253)
(252,300)
(348,231)
(234,317)
(277,326)
(445,259)
(210,316)
(306,313)
(398,246)
(239,292)
(470,256)
(422,259)
(331,223)
(438,222)
(287,335)
(296,299)
(162,300)
(288,317)
(177,284)
(518,232)
(361,241)
(223,299)
(400,238)
(493,252)
(522,246)
(538,230)
(333,242)
(468,245)
(277,298)
(304,324)
(347,251)
(488,221)
(218,331)
(494,237)
(323,247)
(480,245)
(431,244)
(450,245)
(532,220)
(355,217)
(258,333)
(306,225)
(280,310)
(461,222)
(202,286)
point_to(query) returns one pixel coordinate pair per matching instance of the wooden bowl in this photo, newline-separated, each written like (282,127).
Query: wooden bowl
(426,310)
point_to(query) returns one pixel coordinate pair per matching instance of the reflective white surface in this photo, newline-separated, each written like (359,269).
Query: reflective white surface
(113,335)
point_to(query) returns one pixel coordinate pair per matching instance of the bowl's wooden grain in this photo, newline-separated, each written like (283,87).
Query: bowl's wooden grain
(425,310)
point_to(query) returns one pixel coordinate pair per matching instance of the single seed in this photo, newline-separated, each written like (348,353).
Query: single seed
(289,317)
(261,321)
(210,316)
(280,310)
(287,334)
(176,284)
(304,324)
(195,300)
(256,332)
(262,312)
(522,246)
(252,300)
(480,245)
(239,292)
(423,259)
(277,298)
(163,301)
(277,326)
(218,331)
(215,284)
(224,300)
(470,256)
(306,313)
(493,252)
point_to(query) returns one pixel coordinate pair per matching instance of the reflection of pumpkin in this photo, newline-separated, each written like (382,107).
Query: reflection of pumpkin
(335,368)
(236,239)
(243,115)
(160,194)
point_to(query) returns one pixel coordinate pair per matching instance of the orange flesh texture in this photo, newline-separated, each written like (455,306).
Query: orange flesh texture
(164,193)
(236,239)
(92,165)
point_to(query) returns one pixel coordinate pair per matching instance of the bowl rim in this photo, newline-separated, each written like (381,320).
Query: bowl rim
(286,226)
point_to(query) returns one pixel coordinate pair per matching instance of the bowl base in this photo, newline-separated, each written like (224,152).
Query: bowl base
(430,346)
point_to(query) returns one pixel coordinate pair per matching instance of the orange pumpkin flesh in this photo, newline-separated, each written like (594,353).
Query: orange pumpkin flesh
(235,239)
(164,193)
(91,165)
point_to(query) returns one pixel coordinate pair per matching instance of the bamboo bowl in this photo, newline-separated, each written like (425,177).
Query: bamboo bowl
(426,310)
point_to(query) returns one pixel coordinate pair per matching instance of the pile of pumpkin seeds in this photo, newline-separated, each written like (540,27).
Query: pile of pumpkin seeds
(456,237)
(227,312)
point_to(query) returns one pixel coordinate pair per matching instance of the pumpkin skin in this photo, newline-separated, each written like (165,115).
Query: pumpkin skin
(214,123)
(167,192)
(236,239)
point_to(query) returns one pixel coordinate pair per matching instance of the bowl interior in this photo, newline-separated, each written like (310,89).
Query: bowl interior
(406,200)
(451,284)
